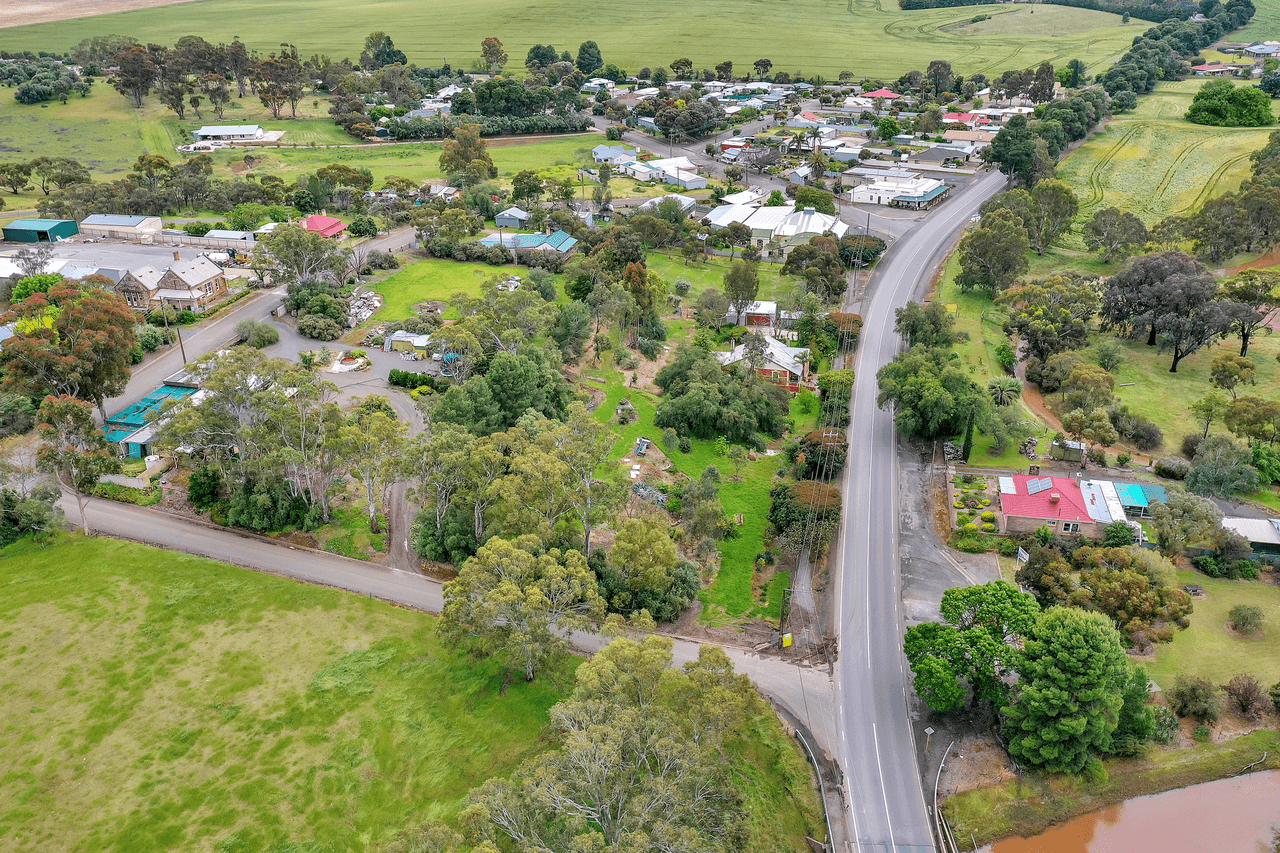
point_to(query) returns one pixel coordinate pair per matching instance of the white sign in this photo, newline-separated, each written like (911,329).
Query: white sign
(1023,556)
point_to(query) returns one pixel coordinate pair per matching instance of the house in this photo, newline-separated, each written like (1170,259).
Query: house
(1213,69)
(512,217)
(403,341)
(762,314)
(675,170)
(980,138)
(784,227)
(933,156)
(595,84)
(556,241)
(782,365)
(118,227)
(1262,50)
(686,204)
(190,284)
(325,226)
(913,191)
(887,94)
(1263,533)
(125,427)
(40,230)
(229,133)
(445,193)
(1058,503)
(614,155)
(748,196)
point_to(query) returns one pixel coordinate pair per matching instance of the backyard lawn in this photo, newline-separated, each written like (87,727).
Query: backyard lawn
(1206,649)
(434,279)
(773,284)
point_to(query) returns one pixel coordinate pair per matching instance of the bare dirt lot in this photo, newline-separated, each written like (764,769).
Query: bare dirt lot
(23,12)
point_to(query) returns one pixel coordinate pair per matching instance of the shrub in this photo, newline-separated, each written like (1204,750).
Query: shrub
(1246,618)
(1195,698)
(1166,724)
(197,229)
(670,438)
(150,338)
(1202,733)
(1190,444)
(1172,468)
(204,489)
(686,444)
(1123,460)
(1249,696)
(1097,456)
(988,528)
(257,334)
(319,328)
(1274,695)
(1143,433)
(988,516)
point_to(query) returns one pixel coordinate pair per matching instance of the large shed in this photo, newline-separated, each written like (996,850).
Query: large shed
(120,227)
(40,230)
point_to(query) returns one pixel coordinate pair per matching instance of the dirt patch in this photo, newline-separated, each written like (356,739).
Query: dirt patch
(1256,635)
(977,761)
(1270,259)
(19,13)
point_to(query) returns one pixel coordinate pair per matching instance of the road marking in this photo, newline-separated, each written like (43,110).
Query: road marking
(884,794)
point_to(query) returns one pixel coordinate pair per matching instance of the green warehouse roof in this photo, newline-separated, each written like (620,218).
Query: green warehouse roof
(35,224)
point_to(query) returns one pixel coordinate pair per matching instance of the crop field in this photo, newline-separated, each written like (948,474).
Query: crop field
(1153,163)
(868,37)
(159,702)
(1264,26)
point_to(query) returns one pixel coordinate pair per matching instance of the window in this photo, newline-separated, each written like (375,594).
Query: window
(1070,527)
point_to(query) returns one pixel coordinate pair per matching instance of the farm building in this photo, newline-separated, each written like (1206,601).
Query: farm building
(512,217)
(325,226)
(40,230)
(403,341)
(118,227)
(782,365)
(229,133)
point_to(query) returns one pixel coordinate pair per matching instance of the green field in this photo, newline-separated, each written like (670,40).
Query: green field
(1153,164)
(868,37)
(1206,649)
(157,702)
(1265,24)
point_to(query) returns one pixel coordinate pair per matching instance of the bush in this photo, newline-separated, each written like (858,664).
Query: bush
(204,489)
(1172,468)
(1166,724)
(1123,460)
(1249,696)
(319,328)
(1145,435)
(670,438)
(1274,695)
(1201,734)
(988,516)
(1097,456)
(197,229)
(257,334)
(686,444)
(1190,444)
(1246,618)
(988,528)
(150,338)
(1195,698)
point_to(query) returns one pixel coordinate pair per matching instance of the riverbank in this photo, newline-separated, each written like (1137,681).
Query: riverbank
(1032,802)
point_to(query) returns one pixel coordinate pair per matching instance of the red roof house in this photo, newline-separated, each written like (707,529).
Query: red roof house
(1057,502)
(325,226)
(887,94)
(1212,69)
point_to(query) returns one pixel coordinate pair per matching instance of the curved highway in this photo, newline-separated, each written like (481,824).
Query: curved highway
(876,747)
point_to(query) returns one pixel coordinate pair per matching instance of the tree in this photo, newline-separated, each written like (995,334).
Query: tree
(1092,426)
(493,55)
(372,442)
(1013,150)
(74,450)
(1249,696)
(1221,103)
(681,68)
(925,325)
(293,255)
(256,333)
(1115,233)
(741,286)
(466,154)
(1183,520)
(644,554)
(1207,409)
(1155,286)
(993,255)
(931,396)
(590,59)
(974,645)
(135,73)
(762,67)
(940,76)
(1075,73)
(1132,587)
(513,601)
(1072,674)
(526,185)
(1254,418)
(15,176)
(736,234)
(1228,372)
(76,343)
(1053,206)
(887,127)
(1053,315)
(1041,89)
(1257,295)
(1221,469)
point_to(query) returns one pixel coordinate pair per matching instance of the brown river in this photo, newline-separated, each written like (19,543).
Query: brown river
(1239,815)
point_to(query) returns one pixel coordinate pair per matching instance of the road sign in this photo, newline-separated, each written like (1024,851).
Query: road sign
(1023,556)
(786,640)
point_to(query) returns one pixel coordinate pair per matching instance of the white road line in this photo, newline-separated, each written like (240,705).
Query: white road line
(884,792)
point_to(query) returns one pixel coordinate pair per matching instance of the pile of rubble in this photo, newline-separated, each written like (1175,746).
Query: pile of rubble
(363,305)
(1028,448)
(952,451)
(649,493)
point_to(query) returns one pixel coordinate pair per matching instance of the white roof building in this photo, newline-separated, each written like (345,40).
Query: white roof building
(787,226)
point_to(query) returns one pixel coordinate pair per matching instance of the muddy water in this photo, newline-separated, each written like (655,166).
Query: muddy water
(1228,816)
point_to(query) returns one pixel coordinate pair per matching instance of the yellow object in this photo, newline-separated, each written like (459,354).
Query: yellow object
(786,640)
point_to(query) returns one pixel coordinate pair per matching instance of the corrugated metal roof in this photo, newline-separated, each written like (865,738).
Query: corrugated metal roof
(1131,494)
(35,224)
(114,219)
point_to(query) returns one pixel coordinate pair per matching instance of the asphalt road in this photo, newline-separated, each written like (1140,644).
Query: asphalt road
(873,719)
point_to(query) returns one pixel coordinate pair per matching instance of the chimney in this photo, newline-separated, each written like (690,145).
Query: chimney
(175,256)
(1054,497)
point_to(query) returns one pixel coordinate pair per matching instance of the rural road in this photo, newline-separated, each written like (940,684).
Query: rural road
(876,750)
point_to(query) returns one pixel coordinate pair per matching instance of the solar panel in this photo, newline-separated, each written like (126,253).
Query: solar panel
(1035,487)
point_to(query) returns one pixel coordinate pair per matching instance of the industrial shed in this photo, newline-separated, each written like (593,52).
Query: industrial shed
(40,230)
(119,227)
